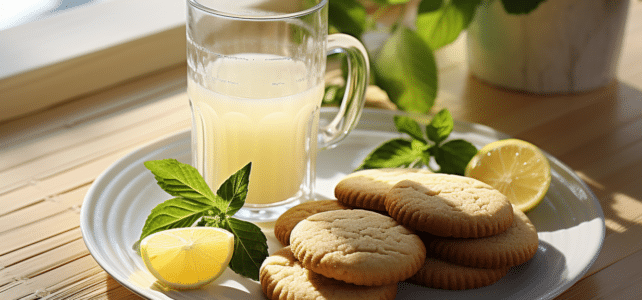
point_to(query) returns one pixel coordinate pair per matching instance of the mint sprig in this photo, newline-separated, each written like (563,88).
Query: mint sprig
(423,147)
(196,205)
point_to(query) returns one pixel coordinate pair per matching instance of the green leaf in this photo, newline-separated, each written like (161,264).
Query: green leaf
(520,6)
(440,22)
(426,157)
(405,68)
(196,202)
(333,95)
(440,126)
(348,16)
(234,190)
(175,213)
(181,180)
(250,247)
(395,153)
(409,126)
(454,155)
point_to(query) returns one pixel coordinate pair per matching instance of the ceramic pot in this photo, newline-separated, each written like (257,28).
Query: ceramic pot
(563,46)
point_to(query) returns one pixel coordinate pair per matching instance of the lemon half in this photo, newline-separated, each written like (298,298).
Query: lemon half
(185,258)
(516,168)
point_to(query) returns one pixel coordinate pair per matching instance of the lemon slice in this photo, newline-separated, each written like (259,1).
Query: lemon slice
(516,168)
(185,258)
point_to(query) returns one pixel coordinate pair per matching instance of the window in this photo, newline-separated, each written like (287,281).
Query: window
(87,48)
(15,13)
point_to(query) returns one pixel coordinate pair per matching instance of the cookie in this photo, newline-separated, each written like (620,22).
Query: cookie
(440,274)
(515,246)
(283,277)
(357,246)
(449,206)
(367,188)
(286,222)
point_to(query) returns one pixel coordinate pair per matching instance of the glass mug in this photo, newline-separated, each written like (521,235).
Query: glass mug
(255,83)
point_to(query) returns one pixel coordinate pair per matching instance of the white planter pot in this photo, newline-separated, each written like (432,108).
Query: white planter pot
(563,46)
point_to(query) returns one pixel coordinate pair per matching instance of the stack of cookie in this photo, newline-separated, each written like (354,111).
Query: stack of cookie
(333,252)
(436,230)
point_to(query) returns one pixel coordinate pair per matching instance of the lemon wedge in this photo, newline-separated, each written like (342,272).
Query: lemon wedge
(186,258)
(516,168)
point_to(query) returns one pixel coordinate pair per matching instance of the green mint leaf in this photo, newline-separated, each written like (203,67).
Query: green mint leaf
(234,190)
(196,205)
(409,126)
(175,213)
(395,153)
(520,6)
(348,16)
(453,156)
(440,22)
(405,68)
(440,126)
(181,180)
(250,247)
(426,158)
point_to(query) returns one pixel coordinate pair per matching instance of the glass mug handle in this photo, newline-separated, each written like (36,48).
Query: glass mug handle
(356,84)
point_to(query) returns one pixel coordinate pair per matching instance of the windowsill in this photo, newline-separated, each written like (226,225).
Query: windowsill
(47,62)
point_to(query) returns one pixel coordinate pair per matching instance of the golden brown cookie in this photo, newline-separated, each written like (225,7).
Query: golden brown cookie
(515,246)
(286,222)
(440,274)
(283,277)
(450,206)
(367,188)
(357,246)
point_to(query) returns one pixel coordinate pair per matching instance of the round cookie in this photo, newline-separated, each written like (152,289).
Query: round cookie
(441,274)
(286,222)
(283,277)
(514,246)
(450,206)
(367,188)
(357,246)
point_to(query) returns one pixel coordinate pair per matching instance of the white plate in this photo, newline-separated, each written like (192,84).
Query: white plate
(569,221)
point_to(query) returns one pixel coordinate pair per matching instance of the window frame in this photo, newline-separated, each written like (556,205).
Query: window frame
(86,49)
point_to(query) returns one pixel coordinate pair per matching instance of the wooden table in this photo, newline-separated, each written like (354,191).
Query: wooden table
(48,161)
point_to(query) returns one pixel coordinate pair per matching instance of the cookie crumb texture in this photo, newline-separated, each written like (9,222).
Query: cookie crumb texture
(367,188)
(357,246)
(286,222)
(283,277)
(450,206)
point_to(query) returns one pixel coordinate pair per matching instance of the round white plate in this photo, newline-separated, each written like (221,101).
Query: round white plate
(569,221)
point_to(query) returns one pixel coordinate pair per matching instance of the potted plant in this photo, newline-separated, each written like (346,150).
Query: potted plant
(500,35)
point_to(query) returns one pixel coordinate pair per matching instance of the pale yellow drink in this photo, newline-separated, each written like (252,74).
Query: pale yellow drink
(256,108)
